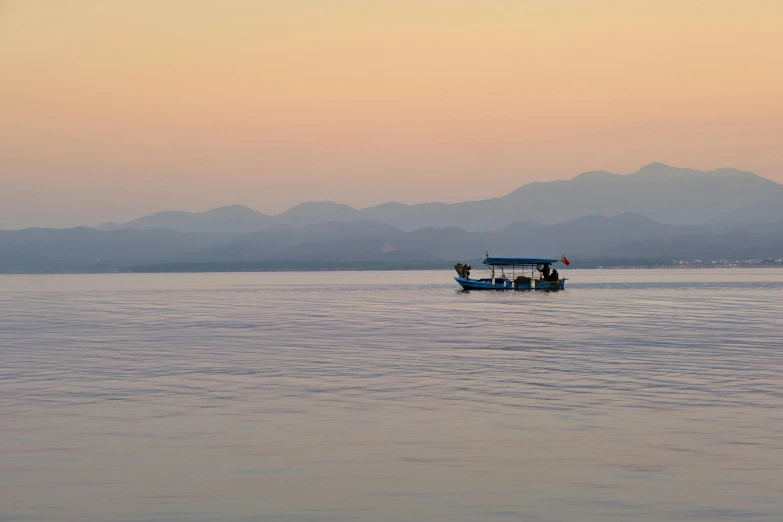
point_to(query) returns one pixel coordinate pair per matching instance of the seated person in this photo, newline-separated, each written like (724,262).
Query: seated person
(555,276)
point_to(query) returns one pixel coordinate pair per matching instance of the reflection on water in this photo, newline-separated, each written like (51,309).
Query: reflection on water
(633,395)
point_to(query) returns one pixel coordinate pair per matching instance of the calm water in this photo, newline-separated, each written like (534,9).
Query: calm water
(633,395)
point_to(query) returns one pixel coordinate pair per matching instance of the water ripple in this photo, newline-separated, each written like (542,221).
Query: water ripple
(633,395)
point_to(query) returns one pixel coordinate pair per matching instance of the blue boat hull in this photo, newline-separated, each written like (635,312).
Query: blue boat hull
(475,284)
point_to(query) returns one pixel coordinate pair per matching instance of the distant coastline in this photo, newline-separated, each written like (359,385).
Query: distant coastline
(378,266)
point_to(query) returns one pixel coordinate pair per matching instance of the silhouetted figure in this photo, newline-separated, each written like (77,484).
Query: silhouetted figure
(462,270)
(555,275)
(546,272)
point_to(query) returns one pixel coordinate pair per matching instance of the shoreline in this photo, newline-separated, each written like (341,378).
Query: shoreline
(157,269)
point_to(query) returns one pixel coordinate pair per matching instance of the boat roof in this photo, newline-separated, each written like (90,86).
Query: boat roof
(508,261)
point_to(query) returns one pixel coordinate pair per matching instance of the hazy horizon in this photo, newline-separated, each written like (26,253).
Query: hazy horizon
(114,111)
(653,173)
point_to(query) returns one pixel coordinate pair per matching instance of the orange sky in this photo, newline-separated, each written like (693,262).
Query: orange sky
(111,110)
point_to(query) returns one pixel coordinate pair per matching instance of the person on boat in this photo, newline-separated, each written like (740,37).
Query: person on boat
(555,276)
(545,271)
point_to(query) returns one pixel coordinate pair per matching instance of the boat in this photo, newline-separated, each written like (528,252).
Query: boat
(525,274)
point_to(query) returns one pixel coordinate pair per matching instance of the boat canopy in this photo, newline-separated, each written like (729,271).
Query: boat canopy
(512,261)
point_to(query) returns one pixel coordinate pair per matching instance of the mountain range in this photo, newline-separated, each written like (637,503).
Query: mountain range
(659,212)
(662,193)
(361,244)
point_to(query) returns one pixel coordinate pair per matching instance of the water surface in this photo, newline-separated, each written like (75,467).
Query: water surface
(633,395)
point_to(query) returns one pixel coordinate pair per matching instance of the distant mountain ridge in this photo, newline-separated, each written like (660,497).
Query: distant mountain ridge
(658,212)
(371,243)
(669,195)
(235,219)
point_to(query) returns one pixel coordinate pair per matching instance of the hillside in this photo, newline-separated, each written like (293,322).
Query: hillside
(347,244)
(665,194)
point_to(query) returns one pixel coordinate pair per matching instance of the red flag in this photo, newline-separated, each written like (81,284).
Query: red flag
(565,261)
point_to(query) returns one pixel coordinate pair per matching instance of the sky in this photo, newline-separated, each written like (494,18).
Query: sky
(113,110)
